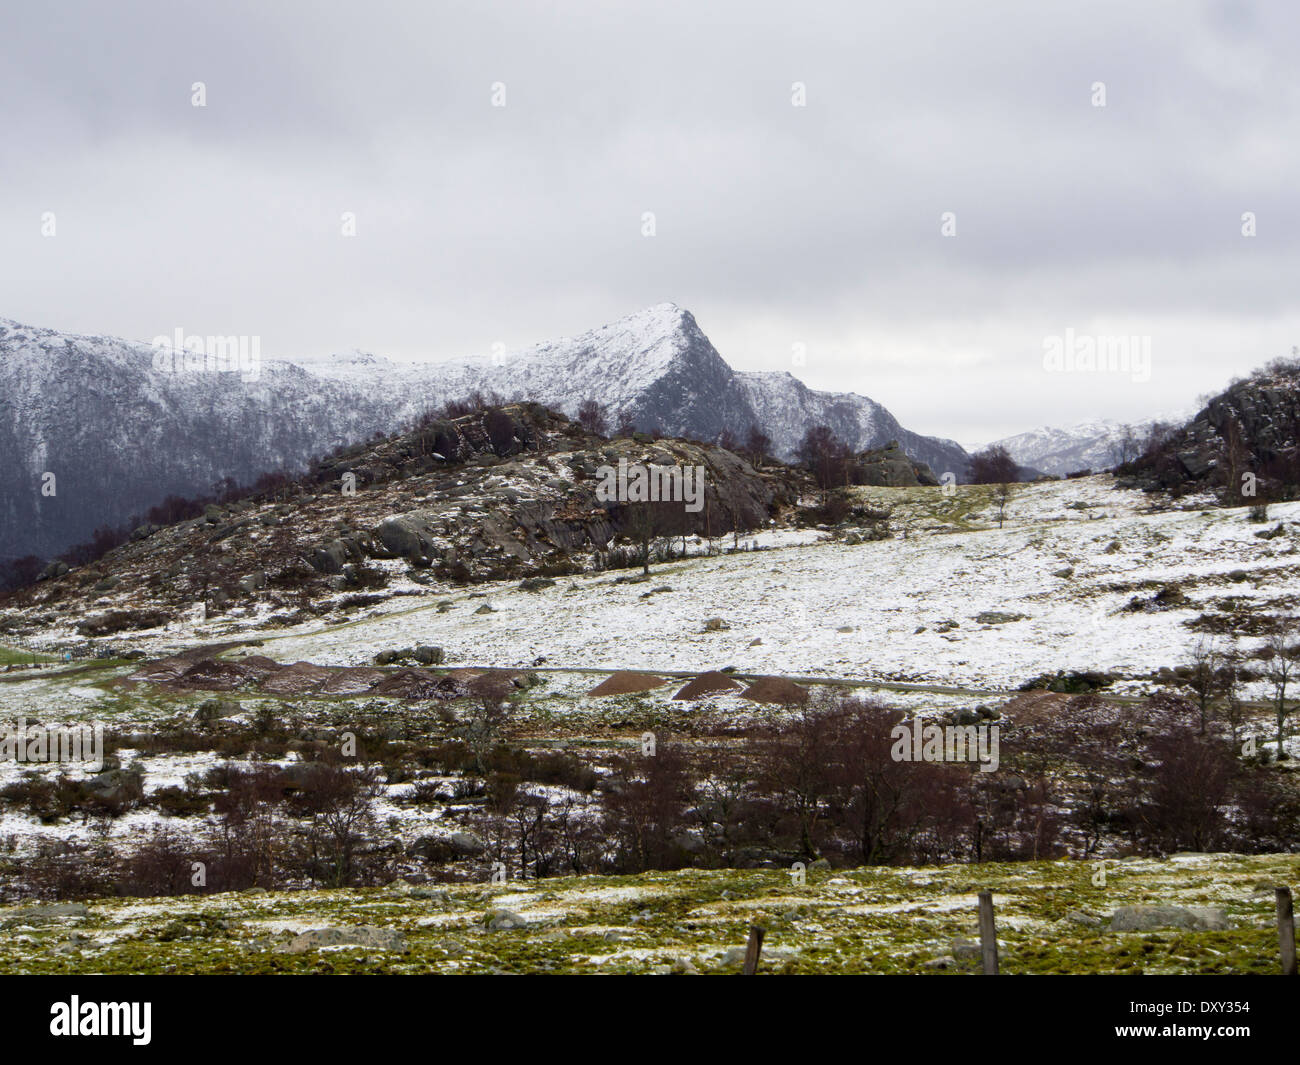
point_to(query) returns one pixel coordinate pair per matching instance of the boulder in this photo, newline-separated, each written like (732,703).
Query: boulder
(890,467)
(253,582)
(1150,918)
(346,936)
(117,785)
(406,535)
(328,558)
(50,911)
(505,921)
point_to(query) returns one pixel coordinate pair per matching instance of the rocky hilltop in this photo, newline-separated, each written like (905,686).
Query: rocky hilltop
(502,493)
(891,467)
(119,436)
(1246,437)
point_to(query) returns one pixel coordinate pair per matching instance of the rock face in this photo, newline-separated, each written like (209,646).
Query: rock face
(120,436)
(1252,430)
(891,467)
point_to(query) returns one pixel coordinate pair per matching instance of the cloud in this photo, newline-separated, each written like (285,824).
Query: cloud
(775,224)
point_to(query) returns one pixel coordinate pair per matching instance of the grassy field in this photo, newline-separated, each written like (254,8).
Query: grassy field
(879,920)
(14,655)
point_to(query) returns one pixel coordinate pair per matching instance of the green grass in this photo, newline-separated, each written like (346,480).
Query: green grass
(15,655)
(879,920)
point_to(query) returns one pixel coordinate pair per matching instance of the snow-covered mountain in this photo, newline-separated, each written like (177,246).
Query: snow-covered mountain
(659,367)
(119,435)
(1093,445)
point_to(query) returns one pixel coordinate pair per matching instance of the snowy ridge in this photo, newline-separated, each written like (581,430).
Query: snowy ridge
(119,435)
(1094,445)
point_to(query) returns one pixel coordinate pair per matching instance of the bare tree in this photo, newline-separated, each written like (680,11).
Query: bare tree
(488,716)
(758,445)
(647,522)
(1281,649)
(625,424)
(1129,446)
(1001,497)
(591,416)
(827,457)
(1234,707)
(993,465)
(1203,677)
(340,804)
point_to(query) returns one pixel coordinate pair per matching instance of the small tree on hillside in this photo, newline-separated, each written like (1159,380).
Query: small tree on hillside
(1281,649)
(489,715)
(827,457)
(993,465)
(1203,678)
(1234,707)
(758,445)
(1001,497)
(646,522)
(1128,447)
(591,416)
(625,424)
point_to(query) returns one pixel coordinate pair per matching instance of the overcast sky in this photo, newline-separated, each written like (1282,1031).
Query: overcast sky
(776,225)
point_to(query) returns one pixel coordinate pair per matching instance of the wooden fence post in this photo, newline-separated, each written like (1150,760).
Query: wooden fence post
(752,951)
(1286,931)
(988,934)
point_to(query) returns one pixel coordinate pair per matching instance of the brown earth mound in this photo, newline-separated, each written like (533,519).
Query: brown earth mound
(297,679)
(258,666)
(213,675)
(707,684)
(352,681)
(188,672)
(418,684)
(776,690)
(163,670)
(624,683)
(1036,705)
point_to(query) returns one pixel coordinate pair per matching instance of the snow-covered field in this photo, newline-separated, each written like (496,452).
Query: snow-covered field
(951,603)
(877,610)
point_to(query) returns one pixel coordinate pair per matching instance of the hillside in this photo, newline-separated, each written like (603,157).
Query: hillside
(505,493)
(1244,444)
(1093,445)
(119,436)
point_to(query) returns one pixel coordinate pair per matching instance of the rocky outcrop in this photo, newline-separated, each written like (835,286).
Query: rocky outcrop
(1245,443)
(891,467)
(523,498)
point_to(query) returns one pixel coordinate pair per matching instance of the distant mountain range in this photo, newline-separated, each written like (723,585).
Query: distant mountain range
(118,434)
(1094,445)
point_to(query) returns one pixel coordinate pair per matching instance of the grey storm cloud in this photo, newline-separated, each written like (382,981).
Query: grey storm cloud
(776,225)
